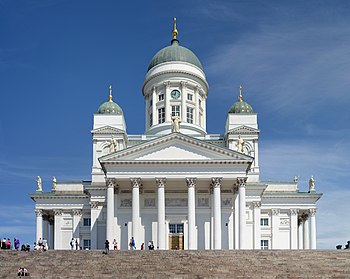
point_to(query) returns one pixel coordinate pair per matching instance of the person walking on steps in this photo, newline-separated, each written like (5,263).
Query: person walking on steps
(106,247)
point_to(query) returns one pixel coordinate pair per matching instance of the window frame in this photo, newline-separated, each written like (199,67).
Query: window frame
(189,115)
(161,115)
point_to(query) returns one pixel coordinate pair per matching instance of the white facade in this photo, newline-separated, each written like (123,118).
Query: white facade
(183,189)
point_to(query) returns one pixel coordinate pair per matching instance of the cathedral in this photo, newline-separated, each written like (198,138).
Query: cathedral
(176,184)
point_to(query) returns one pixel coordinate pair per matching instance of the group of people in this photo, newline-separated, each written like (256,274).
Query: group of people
(131,245)
(22,271)
(74,244)
(41,245)
(6,243)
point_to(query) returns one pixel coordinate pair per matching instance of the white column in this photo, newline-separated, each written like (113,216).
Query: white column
(196,109)
(242,211)
(211,219)
(216,184)
(275,220)
(300,234)
(39,224)
(136,183)
(306,232)
(154,106)
(93,229)
(191,184)
(161,212)
(257,225)
(236,219)
(312,214)
(110,235)
(167,101)
(57,230)
(294,228)
(183,101)
(77,213)
(204,113)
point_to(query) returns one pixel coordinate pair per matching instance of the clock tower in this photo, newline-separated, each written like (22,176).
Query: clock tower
(175,85)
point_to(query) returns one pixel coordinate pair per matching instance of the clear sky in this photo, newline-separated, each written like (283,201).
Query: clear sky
(58,57)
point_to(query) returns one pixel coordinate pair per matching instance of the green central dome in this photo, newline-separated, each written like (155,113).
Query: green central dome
(175,52)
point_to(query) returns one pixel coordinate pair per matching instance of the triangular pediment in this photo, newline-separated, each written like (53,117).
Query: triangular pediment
(107,130)
(243,130)
(176,147)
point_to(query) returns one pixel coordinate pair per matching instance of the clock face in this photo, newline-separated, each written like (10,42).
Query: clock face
(175,94)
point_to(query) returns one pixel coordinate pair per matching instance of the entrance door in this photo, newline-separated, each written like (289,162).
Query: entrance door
(176,236)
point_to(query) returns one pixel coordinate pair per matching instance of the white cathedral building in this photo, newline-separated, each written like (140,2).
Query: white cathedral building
(176,184)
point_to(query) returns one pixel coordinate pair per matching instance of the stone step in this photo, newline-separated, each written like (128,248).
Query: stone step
(178,264)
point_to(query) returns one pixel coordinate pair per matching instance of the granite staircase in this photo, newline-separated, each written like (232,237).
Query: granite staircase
(178,264)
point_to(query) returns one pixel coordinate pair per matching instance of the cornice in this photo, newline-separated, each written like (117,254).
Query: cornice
(174,72)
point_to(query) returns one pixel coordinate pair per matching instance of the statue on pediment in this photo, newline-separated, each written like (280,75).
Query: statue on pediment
(39,184)
(176,123)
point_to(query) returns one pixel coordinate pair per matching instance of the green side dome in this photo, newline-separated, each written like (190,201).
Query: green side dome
(241,106)
(174,52)
(110,107)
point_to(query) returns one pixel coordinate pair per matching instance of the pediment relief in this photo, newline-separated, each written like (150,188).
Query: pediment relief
(243,130)
(107,130)
(175,147)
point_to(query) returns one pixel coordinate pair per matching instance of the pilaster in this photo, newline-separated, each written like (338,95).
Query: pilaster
(257,225)
(275,219)
(294,228)
(57,229)
(94,207)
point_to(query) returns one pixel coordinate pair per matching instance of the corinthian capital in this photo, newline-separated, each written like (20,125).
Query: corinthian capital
(57,212)
(216,182)
(38,212)
(135,182)
(111,182)
(294,211)
(161,181)
(241,181)
(166,84)
(275,211)
(312,211)
(94,204)
(191,182)
(77,212)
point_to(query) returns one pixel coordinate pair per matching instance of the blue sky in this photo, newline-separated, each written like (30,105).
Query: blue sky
(57,59)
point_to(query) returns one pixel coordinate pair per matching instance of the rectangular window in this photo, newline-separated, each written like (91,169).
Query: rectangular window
(200,102)
(264,244)
(160,97)
(175,110)
(150,102)
(87,244)
(264,222)
(87,222)
(189,115)
(189,97)
(161,115)
(176,228)
(151,119)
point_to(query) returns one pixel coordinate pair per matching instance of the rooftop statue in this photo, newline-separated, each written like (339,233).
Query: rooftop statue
(54,184)
(311,184)
(113,146)
(39,184)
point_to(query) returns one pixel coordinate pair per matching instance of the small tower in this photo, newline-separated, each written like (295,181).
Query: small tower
(242,132)
(108,134)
